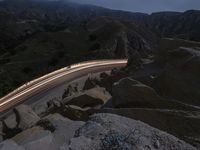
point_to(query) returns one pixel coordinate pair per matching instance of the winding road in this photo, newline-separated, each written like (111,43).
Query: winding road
(56,78)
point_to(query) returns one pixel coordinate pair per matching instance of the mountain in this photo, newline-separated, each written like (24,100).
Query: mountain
(46,51)
(173,24)
(56,15)
(159,86)
(53,34)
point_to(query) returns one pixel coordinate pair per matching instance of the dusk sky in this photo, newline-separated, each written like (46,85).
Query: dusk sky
(147,6)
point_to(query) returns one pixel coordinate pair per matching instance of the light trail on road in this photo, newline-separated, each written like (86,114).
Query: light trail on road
(55,78)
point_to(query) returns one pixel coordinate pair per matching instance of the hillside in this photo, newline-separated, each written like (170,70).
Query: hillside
(177,25)
(29,17)
(40,37)
(152,103)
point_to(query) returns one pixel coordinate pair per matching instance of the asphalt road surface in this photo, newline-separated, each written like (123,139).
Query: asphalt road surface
(55,78)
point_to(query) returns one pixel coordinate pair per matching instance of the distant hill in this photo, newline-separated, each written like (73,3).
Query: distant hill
(179,25)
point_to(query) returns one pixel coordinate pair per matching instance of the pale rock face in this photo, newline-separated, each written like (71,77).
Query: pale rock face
(24,136)
(35,138)
(64,128)
(11,121)
(130,93)
(42,140)
(27,117)
(10,145)
(40,108)
(106,131)
(99,93)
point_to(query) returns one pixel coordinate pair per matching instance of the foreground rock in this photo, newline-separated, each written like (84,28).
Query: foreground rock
(90,98)
(50,134)
(10,145)
(64,128)
(27,117)
(106,131)
(181,76)
(182,124)
(129,93)
(35,138)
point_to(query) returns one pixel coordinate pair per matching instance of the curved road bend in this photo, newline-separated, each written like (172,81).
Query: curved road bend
(56,78)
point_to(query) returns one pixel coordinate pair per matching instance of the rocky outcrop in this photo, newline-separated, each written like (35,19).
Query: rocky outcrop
(122,39)
(40,108)
(89,84)
(90,98)
(180,79)
(129,93)
(70,91)
(106,131)
(11,121)
(27,117)
(10,145)
(54,103)
(64,128)
(182,124)
(38,138)
(22,137)
(35,138)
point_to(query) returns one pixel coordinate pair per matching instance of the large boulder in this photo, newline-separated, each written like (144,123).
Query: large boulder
(27,117)
(10,145)
(24,136)
(64,128)
(182,124)
(38,138)
(106,131)
(90,98)
(42,139)
(180,79)
(129,93)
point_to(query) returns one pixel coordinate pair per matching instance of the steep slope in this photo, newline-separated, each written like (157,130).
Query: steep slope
(48,34)
(121,39)
(44,52)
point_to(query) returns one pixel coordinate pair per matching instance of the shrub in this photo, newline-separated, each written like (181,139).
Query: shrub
(95,46)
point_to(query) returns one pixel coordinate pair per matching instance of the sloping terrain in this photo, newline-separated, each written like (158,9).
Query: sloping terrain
(39,36)
(47,51)
(160,86)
